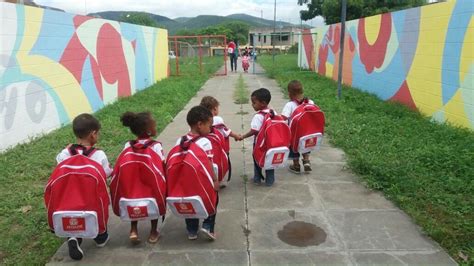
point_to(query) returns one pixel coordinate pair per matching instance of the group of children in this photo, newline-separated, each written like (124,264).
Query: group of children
(202,120)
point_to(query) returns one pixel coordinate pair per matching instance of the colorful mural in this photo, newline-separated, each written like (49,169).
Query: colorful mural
(55,65)
(422,57)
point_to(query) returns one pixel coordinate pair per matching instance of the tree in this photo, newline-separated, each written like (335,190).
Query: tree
(139,19)
(330,10)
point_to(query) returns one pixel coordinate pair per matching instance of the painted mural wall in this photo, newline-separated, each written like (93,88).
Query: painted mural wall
(55,65)
(422,57)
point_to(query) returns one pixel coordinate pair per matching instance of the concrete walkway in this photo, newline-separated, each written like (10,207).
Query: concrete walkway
(326,217)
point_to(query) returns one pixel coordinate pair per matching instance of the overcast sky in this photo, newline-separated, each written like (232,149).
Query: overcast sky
(287,10)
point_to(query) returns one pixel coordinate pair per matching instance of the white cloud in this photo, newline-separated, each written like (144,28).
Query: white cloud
(287,10)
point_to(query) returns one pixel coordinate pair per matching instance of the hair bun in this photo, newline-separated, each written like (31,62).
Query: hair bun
(128,118)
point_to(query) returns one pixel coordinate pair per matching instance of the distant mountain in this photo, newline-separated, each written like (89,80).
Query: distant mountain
(190,23)
(116,15)
(182,19)
(259,22)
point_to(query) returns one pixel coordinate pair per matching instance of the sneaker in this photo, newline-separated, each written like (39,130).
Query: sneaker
(295,169)
(102,241)
(307,166)
(192,236)
(208,234)
(75,251)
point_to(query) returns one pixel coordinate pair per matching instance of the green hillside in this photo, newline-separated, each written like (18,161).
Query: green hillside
(191,23)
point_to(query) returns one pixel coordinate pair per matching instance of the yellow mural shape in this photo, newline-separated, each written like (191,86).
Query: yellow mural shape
(372,28)
(454,111)
(67,89)
(161,51)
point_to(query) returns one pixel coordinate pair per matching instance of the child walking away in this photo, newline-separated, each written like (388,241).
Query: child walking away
(218,124)
(272,138)
(245,62)
(192,177)
(76,195)
(138,186)
(307,126)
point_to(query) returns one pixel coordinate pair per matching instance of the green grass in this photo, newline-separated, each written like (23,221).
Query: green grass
(25,238)
(241,93)
(426,168)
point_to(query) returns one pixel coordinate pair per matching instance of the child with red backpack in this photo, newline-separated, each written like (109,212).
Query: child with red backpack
(271,138)
(307,125)
(192,180)
(212,105)
(76,195)
(140,197)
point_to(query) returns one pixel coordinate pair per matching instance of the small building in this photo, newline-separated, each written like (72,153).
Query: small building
(283,38)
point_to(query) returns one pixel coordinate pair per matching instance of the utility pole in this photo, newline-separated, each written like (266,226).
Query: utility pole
(341,54)
(274,30)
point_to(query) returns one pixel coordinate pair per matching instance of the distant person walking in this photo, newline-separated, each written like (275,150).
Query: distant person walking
(233,51)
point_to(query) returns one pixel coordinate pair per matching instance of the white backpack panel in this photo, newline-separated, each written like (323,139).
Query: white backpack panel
(138,209)
(310,142)
(187,207)
(82,224)
(276,158)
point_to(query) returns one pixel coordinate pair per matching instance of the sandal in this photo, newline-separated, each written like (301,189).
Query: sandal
(153,240)
(134,238)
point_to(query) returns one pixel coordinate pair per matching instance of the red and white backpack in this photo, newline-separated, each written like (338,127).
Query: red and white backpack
(219,157)
(307,127)
(190,184)
(271,144)
(76,196)
(138,186)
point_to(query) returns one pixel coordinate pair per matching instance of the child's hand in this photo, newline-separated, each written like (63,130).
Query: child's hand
(238,137)
(216,185)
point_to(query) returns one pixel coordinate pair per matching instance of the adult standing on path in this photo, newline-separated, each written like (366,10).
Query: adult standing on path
(233,51)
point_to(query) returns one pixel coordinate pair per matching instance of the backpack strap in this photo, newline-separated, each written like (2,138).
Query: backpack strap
(271,113)
(304,100)
(185,143)
(135,147)
(73,150)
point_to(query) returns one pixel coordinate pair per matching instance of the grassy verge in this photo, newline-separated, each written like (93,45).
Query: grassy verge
(241,93)
(426,168)
(24,234)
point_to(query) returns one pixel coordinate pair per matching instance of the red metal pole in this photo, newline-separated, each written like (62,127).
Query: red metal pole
(225,55)
(176,55)
(200,54)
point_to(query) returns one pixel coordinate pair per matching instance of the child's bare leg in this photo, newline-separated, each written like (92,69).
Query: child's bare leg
(154,234)
(134,231)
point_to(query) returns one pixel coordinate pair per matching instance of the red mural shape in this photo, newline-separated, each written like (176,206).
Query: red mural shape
(323,58)
(403,95)
(308,47)
(332,41)
(349,53)
(111,59)
(109,64)
(373,55)
(78,20)
(73,57)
